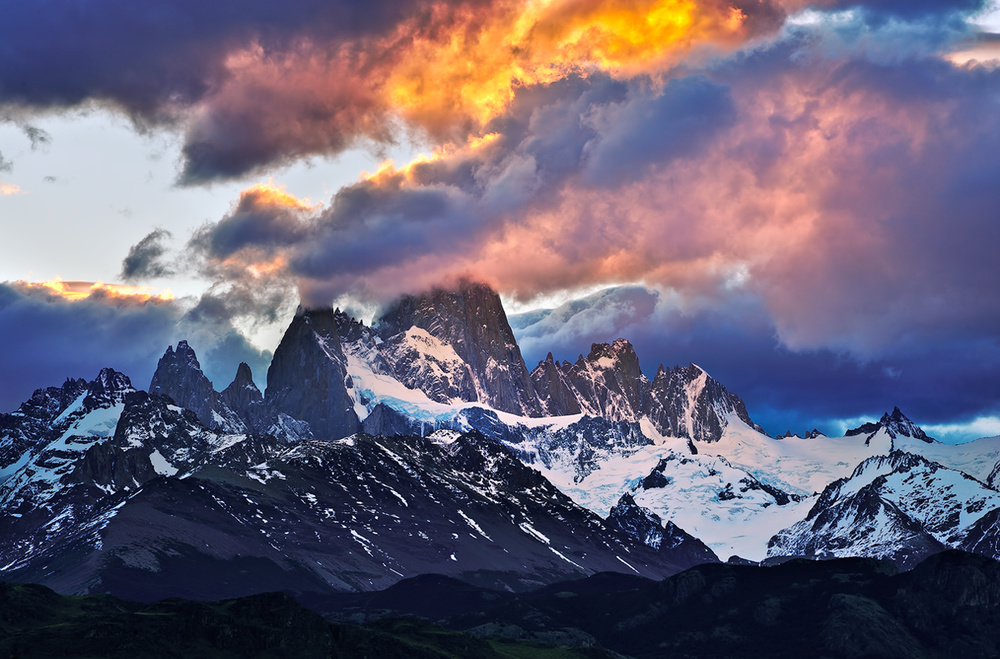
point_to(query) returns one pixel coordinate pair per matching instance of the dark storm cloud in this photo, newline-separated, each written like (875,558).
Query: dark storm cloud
(264,219)
(895,159)
(904,256)
(675,122)
(570,328)
(245,124)
(821,202)
(434,214)
(252,80)
(257,84)
(258,302)
(48,339)
(369,226)
(145,259)
(37,136)
(153,55)
(5,165)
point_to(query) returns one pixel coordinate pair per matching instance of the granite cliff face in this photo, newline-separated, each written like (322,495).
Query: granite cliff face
(244,398)
(464,335)
(456,347)
(308,378)
(688,402)
(179,377)
(607,382)
(239,409)
(553,387)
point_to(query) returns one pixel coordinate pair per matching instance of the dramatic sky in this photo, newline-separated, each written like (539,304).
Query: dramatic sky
(803,197)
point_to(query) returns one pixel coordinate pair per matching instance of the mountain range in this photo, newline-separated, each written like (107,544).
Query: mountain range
(423,443)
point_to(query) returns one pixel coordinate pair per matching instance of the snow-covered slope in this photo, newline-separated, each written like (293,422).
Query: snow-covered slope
(51,450)
(899,506)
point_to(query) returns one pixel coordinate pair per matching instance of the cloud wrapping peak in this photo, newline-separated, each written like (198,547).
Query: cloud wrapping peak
(855,197)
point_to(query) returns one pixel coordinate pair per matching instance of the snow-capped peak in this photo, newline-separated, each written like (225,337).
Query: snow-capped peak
(895,424)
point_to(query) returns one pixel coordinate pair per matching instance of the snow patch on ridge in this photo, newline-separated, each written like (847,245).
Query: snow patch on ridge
(161,465)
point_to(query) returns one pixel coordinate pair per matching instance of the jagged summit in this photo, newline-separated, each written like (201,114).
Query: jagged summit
(811,434)
(607,382)
(308,380)
(110,384)
(464,332)
(423,444)
(244,398)
(454,347)
(895,424)
(179,376)
(900,425)
(688,402)
(649,528)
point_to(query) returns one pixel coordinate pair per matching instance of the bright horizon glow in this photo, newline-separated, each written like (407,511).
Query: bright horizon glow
(75,290)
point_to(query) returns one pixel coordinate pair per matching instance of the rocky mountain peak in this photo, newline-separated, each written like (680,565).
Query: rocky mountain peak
(638,522)
(110,384)
(555,392)
(895,424)
(47,403)
(244,398)
(308,380)
(109,388)
(469,322)
(688,402)
(620,355)
(179,376)
(185,353)
(609,381)
(349,328)
(812,434)
(649,528)
(244,377)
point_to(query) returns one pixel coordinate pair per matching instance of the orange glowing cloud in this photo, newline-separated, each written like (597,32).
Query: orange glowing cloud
(388,170)
(446,75)
(257,269)
(275,195)
(249,243)
(474,69)
(82,290)
(9,189)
